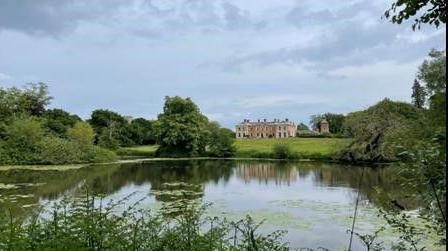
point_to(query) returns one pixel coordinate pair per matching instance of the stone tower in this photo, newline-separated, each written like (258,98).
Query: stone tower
(324,126)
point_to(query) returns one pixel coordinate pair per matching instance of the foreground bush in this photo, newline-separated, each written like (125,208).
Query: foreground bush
(88,224)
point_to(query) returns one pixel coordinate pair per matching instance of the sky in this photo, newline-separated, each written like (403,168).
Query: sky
(245,59)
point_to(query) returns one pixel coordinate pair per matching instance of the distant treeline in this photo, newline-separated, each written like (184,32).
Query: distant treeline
(30,133)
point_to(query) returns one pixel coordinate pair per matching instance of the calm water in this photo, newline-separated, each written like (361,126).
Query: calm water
(313,201)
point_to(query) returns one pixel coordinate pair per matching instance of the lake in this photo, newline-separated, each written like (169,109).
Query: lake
(314,202)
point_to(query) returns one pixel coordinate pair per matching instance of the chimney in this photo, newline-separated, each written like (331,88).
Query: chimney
(286,119)
(265,120)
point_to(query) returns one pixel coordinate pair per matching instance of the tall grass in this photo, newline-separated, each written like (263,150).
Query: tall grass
(87,223)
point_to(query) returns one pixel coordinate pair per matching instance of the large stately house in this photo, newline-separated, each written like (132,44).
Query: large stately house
(266,129)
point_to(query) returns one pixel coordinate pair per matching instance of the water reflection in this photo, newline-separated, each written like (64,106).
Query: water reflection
(281,173)
(181,180)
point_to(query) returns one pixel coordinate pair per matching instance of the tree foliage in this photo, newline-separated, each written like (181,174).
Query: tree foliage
(31,100)
(142,131)
(315,121)
(101,119)
(31,134)
(182,128)
(378,131)
(302,127)
(431,12)
(22,141)
(221,141)
(335,121)
(81,133)
(59,121)
(54,150)
(432,73)
(111,128)
(418,94)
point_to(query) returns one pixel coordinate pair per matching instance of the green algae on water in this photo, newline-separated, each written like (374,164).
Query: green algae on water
(43,167)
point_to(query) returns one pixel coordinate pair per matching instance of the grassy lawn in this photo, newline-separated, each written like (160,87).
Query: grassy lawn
(315,148)
(141,151)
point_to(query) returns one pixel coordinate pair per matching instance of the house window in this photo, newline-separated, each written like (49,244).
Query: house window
(284,134)
(239,135)
(279,134)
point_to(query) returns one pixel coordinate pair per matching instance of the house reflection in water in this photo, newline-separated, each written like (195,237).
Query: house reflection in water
(267,172)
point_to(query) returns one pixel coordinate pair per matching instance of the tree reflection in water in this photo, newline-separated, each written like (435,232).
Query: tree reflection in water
(179,183)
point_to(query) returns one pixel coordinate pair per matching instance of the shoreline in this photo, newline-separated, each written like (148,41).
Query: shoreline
(65,167)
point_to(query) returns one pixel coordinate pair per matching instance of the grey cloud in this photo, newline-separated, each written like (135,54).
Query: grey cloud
(49,17)
(347,41)
(142,17)
(235,17)
(299,17)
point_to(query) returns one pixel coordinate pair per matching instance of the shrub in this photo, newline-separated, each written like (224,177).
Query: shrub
(23,136)
(3,157)
(87,223)
(221,142)
(136,152)
(98,154)
(282,151)
(24,132)
(55,150)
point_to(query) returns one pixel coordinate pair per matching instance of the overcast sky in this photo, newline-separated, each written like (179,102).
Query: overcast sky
(236,59)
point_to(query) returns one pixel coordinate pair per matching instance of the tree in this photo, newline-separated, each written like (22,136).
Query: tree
(221,141)
(302,127)
(36,98)
(182,128)
(142,131)
(418,94)
(81,133)
(381,132)
(315,121)
(58,121)
(433,12)
(335,121)
(31,100)
(115,125)
(108,138)
(432,73)
(105,118)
